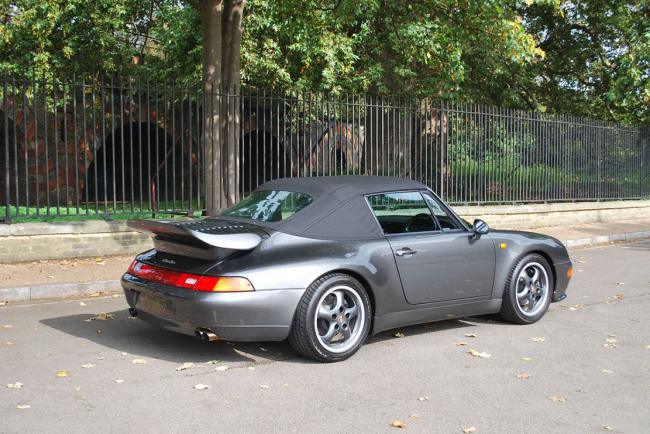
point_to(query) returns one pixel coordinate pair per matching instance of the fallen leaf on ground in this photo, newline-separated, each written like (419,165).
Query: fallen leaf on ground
(537,339)
(398,424)
(6,326)
(606,371)
(15,385)
(414,416)
(101,317)
(62,373)
(423,398)
(480,354)
(470,335)
(221,368)
(620,283)
(138,361)
(523,376)
(611,340)
(4,303)
(527,359)
(557,398)
(101,358)
(23,406)
(469,430)
(201,386)
(9,343)
(88,366)
(399,335)
(460,344)
(607,427)
(82,304)
(619,297)
(119,381)
(264,386)
(184,366)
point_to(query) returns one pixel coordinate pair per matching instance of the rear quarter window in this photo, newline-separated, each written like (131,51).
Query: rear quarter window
(269,205)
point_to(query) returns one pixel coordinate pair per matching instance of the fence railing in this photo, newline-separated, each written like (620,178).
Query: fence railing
(74,149)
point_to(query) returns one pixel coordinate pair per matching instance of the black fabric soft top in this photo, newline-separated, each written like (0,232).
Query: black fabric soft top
(339,210)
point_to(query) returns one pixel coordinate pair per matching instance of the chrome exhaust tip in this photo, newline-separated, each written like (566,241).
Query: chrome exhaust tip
(206,335)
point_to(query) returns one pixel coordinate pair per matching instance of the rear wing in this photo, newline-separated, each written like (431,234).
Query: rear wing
(203,238)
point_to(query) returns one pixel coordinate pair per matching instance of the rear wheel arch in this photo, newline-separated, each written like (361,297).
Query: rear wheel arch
(361,280)
(309,341)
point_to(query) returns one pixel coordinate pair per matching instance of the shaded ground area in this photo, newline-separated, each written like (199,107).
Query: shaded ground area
(591,354)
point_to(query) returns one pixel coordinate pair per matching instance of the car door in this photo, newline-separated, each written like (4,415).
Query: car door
(437,258)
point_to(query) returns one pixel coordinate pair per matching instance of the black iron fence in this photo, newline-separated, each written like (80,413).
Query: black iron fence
(74,149)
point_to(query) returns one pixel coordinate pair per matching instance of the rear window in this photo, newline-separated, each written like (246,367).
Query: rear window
(269,205)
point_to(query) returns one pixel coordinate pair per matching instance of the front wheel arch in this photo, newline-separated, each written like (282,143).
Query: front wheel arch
(546,256)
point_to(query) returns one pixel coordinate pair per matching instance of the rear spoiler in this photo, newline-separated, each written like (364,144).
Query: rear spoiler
(215,233)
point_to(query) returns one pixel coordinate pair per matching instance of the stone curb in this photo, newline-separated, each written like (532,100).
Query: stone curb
(606,239)
(58,290)
(37,292)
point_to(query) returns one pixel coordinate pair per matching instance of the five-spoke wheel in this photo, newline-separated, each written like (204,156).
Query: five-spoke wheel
(528,290)
(332,320)
(339,319)
(532,289)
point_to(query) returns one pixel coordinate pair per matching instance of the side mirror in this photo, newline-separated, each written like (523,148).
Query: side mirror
(480,227)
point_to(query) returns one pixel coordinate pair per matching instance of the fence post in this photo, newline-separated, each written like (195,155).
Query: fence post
(7,218)
(442,147)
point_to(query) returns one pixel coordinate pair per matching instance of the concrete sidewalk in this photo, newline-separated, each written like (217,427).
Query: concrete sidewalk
(85,276)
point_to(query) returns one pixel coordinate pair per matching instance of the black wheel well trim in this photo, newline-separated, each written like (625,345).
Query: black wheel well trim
(366,285)
(548,259)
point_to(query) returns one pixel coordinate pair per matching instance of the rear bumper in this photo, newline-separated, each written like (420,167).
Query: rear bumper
(236,316)
(561,281)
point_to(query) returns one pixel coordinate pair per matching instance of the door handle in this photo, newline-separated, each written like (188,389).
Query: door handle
(406,251)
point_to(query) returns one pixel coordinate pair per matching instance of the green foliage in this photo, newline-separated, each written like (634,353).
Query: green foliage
(588,58)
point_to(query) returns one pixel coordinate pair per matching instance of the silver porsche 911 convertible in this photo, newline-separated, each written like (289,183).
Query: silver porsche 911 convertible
(327,261)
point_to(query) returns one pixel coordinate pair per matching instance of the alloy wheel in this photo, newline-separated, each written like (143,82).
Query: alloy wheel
(339,319)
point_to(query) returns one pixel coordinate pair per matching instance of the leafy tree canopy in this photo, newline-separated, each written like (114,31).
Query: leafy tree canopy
(579,57)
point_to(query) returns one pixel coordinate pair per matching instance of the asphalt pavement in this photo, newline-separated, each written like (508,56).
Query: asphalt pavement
(82,365)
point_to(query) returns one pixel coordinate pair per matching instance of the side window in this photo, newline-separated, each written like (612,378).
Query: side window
(399,213)
(446,221)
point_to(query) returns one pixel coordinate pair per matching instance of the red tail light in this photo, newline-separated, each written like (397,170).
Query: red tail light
(195,282)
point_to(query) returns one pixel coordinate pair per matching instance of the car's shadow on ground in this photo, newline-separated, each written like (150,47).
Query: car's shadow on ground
(133,336)
(129,335)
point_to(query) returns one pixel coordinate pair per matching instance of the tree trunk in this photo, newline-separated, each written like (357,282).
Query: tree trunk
(230,71)
(210,11)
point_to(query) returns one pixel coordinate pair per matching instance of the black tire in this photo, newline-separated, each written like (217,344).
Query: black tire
(304,336)
(510,310)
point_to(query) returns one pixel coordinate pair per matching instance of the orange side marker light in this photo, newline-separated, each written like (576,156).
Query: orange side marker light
(569,273)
